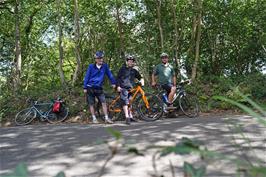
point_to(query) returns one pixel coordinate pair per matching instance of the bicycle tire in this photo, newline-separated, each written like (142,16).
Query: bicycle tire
(114,115)
(53,117)
(25,116)
(156,108)
(99,111)
(189,106)
(113,111)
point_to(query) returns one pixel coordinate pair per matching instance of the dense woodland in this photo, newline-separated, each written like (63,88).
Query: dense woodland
(46,45)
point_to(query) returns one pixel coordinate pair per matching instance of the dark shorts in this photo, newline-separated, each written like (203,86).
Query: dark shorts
(124,96)
(92,93)
(167,87)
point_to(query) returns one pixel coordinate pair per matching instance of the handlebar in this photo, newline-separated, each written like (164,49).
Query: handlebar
(185,82)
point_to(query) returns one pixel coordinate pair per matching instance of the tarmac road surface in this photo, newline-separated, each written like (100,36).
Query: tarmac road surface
(80,149)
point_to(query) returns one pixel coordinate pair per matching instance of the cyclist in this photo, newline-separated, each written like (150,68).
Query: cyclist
(166,77)
(125,81)
(93,82)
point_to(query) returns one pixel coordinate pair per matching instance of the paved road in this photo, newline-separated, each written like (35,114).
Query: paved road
(79,150)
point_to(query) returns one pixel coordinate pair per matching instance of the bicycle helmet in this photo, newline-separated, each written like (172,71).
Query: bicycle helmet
(99,54)
(164,55)
(130,57)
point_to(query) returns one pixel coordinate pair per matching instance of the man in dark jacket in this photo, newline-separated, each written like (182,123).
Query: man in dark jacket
(93,82)
(125,81)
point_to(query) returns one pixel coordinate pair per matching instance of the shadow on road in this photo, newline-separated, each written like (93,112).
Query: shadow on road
(79,150)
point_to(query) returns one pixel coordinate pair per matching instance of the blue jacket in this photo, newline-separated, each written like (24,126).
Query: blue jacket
(94,77)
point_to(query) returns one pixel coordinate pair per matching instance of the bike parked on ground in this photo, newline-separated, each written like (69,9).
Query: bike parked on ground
(43,111)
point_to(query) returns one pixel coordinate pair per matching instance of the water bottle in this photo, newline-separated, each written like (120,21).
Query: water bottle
(165,98)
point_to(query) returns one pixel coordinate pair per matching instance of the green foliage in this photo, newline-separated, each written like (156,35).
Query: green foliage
(185,146)
(257,171)
(255,85)
(115,133)
(190,170)
(208,86)
(60,174)
(257,112)
(21,170)
(232,43)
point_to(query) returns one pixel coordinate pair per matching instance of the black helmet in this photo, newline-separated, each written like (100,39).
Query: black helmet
(130,57)
(164,55)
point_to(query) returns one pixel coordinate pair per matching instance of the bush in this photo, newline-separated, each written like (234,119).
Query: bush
(252,85)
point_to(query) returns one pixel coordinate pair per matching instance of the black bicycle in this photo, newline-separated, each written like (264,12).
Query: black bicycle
(188,103)
(44,111)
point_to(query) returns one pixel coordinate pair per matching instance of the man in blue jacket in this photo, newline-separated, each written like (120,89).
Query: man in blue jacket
(93,82)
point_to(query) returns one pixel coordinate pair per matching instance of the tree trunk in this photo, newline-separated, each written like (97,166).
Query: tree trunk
(158,8)
(193,34)
(176,33)
(120,30)
(195,65)
(18,59)
(77,42)
(61,51)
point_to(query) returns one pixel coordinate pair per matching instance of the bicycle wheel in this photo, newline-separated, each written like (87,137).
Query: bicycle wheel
(114,109)
(53,117)
(189,105)
(25,116)
(155,110)
(111,113)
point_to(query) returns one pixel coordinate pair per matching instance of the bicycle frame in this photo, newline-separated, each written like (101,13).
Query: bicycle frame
(40,113)
(180,91)
(43,111)
(134,91)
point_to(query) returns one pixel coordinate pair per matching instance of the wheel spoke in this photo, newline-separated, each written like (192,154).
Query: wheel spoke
(58,117)
(154,111)
(189,106)
(25,116)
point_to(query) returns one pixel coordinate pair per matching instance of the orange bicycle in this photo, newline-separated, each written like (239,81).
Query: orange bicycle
(147,105)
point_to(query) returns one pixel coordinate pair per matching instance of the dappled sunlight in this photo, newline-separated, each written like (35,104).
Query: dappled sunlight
(80,150)
(9,135)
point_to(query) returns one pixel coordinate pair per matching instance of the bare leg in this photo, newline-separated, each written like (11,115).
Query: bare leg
(105,109)
(107,120)
(92,110)
(94,120)
(171,95)
(130,108)
(130,113)
(125,108)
